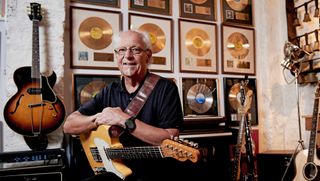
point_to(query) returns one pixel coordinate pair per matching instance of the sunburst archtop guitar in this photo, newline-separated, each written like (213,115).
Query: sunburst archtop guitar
(35,109)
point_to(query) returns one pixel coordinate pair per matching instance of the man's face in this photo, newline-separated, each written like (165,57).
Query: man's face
(132,57)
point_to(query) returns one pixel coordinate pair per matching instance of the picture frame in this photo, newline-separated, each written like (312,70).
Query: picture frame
(198,47)
(200,97)
(238,50)
(163,7)
(201,10)
(91,38)
(2,9)
(237,12)
(109,3)
(86,86)
(232,93)
(160,31)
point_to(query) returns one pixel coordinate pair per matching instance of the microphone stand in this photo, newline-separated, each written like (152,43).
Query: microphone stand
(300,141)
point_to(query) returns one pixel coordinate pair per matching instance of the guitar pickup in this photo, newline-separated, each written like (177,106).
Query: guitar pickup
(34,90)
(36,105)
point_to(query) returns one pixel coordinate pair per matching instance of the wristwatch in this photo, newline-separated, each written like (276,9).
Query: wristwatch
(130,124)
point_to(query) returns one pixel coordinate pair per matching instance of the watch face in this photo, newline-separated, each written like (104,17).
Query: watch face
(130,124)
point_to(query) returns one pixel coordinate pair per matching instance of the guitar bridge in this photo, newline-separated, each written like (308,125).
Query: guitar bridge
(98,170)
(95,154)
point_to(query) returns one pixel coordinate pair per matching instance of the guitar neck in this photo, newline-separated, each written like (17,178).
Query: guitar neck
(134,152)
(35,70)
(313,133)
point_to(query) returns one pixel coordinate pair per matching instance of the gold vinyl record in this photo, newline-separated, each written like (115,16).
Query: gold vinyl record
(156,34)
(197,42)
(95,33)
(199,98)
(90,90)
(238,5)
(235,97)
(238,45)
(198,1)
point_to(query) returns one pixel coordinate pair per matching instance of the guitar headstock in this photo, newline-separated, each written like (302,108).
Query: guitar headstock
(35,13)
(180,150)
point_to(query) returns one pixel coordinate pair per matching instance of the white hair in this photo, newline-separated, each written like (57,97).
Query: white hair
(116,38)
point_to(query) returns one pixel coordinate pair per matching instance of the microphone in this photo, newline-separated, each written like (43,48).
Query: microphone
(292,53)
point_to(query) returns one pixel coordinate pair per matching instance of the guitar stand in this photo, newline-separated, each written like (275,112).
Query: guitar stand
(300,141)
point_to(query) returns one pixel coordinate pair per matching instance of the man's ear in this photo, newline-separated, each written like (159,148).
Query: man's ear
(149,53)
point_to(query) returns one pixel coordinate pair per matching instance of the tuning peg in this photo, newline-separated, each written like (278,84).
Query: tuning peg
(186,142)
(176,138)
(195,145)
(191,143)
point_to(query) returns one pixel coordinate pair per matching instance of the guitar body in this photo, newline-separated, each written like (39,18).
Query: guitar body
(34,109)
(302,169)
(97,140)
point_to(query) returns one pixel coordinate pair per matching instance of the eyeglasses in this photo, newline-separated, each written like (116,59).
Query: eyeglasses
(133,50)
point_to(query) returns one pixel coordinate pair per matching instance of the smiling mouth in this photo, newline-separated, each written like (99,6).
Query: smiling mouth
(130,64)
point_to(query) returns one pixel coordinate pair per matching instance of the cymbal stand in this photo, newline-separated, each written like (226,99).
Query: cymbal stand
(300,141)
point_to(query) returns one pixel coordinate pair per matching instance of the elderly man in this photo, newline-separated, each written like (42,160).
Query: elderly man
(160,118)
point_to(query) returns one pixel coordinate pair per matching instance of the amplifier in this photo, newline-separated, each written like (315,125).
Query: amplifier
(44,165)
(51,176)
(31,156)
(273,164)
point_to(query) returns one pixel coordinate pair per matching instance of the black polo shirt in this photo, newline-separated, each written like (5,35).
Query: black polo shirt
(162,108)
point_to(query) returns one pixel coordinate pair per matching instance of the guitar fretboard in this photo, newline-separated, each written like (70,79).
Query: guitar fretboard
(134,152)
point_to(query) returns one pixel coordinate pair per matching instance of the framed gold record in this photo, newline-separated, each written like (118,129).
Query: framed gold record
(238,50)
(198,9)
(151,6)
(110,3)
(237,12)
(91,37)
(160,34)
(232,101)
(200,97)
(86,86)
(198,46)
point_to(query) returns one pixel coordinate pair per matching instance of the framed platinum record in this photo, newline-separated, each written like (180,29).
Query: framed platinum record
(200,97)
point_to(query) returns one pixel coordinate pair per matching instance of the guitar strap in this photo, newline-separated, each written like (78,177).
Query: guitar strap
(138,101)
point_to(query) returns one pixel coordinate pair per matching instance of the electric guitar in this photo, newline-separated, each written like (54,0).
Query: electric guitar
(244,129)
(34,109)
(104,152)
(306,161)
